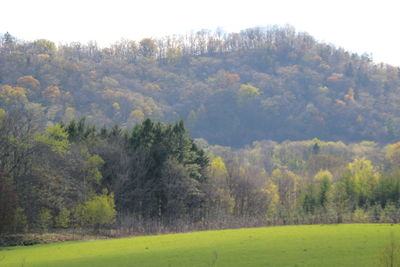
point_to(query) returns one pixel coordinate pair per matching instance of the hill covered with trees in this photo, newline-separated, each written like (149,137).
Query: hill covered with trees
(229,88)
(94,138)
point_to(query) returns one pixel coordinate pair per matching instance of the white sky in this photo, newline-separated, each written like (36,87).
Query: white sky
(356,25)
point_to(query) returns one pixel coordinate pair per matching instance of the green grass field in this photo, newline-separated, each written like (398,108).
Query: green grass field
(316,245)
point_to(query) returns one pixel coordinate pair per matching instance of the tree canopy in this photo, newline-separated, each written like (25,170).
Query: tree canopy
(230,88)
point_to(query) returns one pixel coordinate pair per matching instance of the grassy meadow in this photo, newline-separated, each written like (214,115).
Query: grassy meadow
(310,245)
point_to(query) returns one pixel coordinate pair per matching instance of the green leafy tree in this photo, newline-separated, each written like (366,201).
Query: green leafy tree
(20,223)
(62,220)
(324,180)
(363,179)
(97,212)
(56,138)
(360,216)
(44,220)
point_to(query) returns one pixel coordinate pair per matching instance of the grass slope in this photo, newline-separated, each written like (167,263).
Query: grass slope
(316,245)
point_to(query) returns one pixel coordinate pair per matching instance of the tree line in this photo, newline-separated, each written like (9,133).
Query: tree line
(155,177)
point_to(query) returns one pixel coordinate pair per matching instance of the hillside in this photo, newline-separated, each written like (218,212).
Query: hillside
(230,88)
(116,170)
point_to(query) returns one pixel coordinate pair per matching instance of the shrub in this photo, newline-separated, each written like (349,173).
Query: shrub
(97,212)
(63,218)
(45,220)
(360,216)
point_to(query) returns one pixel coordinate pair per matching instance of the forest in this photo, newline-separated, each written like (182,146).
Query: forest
(156,178)
(204,131)
(229,88)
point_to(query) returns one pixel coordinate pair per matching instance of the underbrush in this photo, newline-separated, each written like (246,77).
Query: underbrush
(11,240)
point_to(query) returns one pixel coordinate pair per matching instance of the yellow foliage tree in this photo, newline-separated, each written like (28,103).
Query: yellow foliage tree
(271,190)
(246,93)
(45,46)
(109,82)
(13,94)
(28,82)
(116,106)
(52,93)
(147,109)
(218,167)
(173,55)
(363,176)
(137,115)
(287,183)
(43,56)
(2,114)
(392,154)
(219,175)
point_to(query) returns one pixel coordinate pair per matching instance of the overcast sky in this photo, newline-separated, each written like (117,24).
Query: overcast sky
(358,26)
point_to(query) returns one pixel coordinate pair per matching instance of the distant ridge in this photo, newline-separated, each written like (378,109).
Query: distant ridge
(230,88)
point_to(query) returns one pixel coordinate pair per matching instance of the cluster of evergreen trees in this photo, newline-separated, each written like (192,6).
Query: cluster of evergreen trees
(74,175)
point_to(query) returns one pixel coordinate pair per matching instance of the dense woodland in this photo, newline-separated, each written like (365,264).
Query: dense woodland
(229,88)
(95,138)
(154,178)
